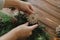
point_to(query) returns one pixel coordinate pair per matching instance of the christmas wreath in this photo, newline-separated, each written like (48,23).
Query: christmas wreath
(6,24)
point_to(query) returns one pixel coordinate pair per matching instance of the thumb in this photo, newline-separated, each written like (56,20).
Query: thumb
(26,23)
(30,11)
(33,27)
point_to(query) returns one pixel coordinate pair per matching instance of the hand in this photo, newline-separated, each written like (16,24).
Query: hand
(25,30)
(22,31)
(26,7)
(20,5)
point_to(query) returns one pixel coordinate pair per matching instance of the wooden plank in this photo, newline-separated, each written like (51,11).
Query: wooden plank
(49,14)
(46,18)
(54,2)
(45,6)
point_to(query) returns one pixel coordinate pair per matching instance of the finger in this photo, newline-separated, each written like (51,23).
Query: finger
(31,7)
(29,11)
(26,23)
(33,27)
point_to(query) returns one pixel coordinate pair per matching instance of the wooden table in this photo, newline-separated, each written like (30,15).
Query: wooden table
(50,11)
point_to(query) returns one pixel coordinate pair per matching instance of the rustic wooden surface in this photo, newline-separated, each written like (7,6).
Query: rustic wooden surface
(49,14)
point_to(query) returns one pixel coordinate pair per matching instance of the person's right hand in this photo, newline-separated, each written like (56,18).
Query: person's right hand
(25,30)
(22,31)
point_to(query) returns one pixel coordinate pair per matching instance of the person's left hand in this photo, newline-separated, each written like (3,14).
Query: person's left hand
(20,5)
(26,7)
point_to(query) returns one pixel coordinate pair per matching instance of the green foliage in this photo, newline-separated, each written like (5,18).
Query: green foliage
(6,25)
(4,17)
(39,34)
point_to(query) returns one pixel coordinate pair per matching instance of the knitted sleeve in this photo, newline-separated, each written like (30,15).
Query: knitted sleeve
(1,3)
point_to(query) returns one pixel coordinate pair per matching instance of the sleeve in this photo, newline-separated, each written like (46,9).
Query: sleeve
(1,4)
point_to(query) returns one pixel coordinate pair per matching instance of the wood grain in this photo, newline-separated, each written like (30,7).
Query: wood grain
(49,14)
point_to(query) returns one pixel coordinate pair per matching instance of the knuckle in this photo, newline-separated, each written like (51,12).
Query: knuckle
(30,33)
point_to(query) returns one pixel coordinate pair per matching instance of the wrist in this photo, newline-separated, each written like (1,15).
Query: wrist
(12,35)
(10,3)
